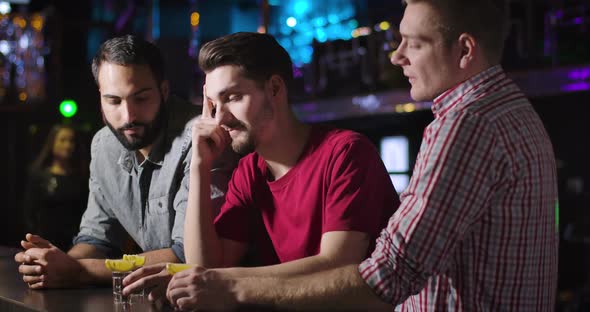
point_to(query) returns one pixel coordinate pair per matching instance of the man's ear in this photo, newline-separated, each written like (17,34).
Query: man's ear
(468,46)
(165,88)
(276,86)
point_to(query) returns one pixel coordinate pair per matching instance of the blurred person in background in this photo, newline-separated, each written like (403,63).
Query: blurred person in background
(57,188)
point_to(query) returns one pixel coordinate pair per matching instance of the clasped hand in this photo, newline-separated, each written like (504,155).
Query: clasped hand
(43,265)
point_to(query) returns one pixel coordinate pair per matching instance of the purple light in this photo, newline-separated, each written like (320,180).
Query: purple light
(297,72)
(559,14)
(308,107)
(579,74)
(578,86)
(578,20)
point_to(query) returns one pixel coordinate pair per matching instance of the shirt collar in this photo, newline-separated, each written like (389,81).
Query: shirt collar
(450,98)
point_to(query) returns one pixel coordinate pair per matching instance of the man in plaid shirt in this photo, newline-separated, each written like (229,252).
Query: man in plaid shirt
(476,227)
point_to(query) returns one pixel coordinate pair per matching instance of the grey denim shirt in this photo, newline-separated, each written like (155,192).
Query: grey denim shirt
(147,200)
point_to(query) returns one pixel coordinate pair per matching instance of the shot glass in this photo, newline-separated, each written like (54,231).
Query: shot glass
(118,296)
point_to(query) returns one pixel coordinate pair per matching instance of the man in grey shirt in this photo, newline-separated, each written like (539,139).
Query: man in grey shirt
(138,174)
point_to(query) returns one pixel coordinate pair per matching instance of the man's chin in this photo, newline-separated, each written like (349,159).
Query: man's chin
(242,148)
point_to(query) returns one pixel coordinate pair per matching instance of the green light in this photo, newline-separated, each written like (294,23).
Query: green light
(68,108)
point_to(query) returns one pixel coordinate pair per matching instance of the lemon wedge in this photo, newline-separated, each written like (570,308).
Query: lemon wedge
(119,265)
(138,261)
(177,267)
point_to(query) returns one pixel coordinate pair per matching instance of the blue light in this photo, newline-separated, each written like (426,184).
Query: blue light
(320,35)
(306,54)
(301,40)
(319,21)
(353,24)
(301,7)
(291,21)
(347,13)
(333,19)
(285,43)
(285,30)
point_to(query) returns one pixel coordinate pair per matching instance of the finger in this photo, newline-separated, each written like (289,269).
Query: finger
(27,245)
(158,293)
(142,272)
(220,138)
(38,285)
(27,259)
(187,303)
(30,269)
(33,279)
(20,257)
(207,105)
(38,240)
(159,280)
(37,255)
(197,270)
(175,294)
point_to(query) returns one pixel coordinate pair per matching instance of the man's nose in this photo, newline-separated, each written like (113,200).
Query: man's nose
(220,114)
(398,57)
(129,112)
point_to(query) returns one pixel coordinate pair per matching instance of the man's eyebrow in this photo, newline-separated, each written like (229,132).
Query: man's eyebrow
(415,36)
(111,96)
(225,91)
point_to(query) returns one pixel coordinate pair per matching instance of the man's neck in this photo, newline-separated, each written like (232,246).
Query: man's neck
(285,147)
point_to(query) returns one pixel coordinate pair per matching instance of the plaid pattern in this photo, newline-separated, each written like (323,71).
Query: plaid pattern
(476,227)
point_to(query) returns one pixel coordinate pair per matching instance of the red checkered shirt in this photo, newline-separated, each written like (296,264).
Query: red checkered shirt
(476,229)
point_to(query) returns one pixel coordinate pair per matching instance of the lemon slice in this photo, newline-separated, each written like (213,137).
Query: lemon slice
(138,261)
(119,265)
(177,267)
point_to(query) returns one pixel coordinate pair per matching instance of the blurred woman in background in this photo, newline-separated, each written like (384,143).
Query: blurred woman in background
(57,189)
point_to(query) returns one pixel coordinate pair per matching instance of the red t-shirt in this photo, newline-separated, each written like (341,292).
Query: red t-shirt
(338,184)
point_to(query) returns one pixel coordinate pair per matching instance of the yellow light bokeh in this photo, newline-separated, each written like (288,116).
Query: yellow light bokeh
(19,21)
(195,18)
(37,22)
(409,107)
(22,96)
(384,25)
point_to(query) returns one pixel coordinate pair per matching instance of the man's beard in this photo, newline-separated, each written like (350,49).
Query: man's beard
(245,147)
(151,130)
(249,144)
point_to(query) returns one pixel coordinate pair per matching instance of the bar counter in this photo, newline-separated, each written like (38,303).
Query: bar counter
(15,296)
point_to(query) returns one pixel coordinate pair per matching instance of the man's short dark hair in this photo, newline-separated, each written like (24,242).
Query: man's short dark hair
(129,50)
(259,56)
(485,20)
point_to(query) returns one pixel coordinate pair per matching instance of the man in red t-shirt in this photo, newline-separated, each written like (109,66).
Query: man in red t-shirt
(308,197)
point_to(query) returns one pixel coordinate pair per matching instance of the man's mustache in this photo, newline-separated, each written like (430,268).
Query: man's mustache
(131,125)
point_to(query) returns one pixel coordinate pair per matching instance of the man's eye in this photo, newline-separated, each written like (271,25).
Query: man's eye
(235,98)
